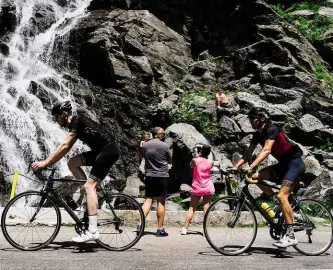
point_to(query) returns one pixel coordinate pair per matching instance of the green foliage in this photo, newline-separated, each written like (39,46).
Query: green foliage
(312,28)
(188,112)
(327,147)
(178,200)
(325,76)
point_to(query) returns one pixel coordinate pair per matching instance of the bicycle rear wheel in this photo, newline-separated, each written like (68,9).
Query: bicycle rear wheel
(229,228)
(313,226)
(120,223)
(30,221)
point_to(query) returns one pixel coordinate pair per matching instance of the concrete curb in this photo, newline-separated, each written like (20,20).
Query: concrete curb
(172,218)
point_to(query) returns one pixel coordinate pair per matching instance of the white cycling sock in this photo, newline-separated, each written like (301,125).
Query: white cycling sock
(92,224)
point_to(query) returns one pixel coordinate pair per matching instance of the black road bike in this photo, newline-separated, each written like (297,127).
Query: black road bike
(231,222)
(32,219)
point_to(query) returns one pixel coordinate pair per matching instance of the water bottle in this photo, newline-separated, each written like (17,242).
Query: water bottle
(268,209)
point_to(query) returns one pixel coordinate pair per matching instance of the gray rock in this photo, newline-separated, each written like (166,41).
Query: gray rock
(305,13)
(172,206)
(326,11)
(313,168)
(328,163)
(43,17)
(228,126)
(244,123)
(321,187)
(250,100)
(133,185)
(309,123)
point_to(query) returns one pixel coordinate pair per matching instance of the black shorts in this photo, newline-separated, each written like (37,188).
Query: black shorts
(288,170)
(101,161)
(156,186)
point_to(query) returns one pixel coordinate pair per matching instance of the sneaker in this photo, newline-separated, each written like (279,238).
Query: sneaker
(183,231)
(286,241)
(85,237)
(161,233)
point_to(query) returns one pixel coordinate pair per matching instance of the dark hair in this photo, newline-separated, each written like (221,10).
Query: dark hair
(258,112)
(205,151)
(154,131)
(60,107)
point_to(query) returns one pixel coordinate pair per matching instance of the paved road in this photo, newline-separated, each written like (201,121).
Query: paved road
(174,252)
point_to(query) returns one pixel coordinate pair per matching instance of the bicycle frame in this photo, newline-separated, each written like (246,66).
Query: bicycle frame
(48,190)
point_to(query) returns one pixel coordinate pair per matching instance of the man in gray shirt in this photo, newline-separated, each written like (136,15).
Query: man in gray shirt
(157,157)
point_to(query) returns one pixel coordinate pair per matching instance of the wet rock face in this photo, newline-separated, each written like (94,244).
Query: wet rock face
(8,17)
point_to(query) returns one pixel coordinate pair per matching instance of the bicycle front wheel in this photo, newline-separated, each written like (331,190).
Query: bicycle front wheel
(30,221)
(121,222)
(230,228)
(313,227)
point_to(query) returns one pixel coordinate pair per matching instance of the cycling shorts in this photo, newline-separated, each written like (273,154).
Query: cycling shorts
(101,161)
(288,170)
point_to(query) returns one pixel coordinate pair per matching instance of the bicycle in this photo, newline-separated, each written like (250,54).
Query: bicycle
(37,213)
(233,217)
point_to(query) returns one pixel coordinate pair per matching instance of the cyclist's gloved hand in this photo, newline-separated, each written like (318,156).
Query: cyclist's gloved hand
(39,165)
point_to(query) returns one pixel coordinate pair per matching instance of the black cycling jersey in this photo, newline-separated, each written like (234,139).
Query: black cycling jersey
(282,148)
(90,132)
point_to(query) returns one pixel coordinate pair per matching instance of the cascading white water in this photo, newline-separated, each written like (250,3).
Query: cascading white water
(27,132)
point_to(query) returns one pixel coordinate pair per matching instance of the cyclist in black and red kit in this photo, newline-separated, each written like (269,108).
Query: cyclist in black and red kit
(289,168)
(104,153)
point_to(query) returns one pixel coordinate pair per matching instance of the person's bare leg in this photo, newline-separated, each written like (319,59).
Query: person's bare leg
(92,204)
(193,207)
(206,202)
(147,206)
(92,201)
(74,165)
(286,209)
(160,212)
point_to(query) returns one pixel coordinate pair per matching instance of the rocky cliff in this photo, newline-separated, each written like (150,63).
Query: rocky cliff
(141,63)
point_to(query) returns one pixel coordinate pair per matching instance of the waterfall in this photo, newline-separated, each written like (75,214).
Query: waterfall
(27,132)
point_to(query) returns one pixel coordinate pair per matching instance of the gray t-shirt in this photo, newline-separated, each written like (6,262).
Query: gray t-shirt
(156,155)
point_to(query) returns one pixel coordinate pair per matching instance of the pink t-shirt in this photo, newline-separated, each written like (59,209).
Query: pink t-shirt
(202,183)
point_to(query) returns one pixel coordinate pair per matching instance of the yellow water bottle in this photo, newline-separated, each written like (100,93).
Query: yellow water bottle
(268,210)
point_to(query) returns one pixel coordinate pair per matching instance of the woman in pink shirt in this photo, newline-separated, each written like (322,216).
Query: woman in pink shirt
(202,185)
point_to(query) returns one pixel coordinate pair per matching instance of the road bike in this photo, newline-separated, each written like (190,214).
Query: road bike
(231,222)
(32,219)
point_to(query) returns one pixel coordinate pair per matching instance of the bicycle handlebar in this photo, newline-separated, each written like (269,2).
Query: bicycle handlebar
(247,176)
(39,175)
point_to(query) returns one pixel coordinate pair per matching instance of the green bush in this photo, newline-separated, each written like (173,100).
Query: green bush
(312,28)
(188,112)
(325,76)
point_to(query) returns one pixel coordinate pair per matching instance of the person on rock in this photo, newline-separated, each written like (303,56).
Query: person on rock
(202,185)
(104,153)
(220,98)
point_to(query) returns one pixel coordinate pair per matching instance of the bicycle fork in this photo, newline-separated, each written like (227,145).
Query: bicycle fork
(236,212)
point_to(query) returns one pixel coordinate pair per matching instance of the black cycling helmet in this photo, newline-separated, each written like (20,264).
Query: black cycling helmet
(60,107)
(258,112)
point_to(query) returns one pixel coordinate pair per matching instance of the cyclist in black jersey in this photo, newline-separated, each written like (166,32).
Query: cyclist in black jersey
(289,168)
(104,153)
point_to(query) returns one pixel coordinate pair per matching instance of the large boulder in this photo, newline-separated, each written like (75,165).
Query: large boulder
(183,139)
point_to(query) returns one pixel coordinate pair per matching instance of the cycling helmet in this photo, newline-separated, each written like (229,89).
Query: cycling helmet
(60,107)
(258,112)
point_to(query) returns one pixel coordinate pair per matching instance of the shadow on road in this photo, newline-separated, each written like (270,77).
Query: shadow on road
(76,248)
(276,253)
